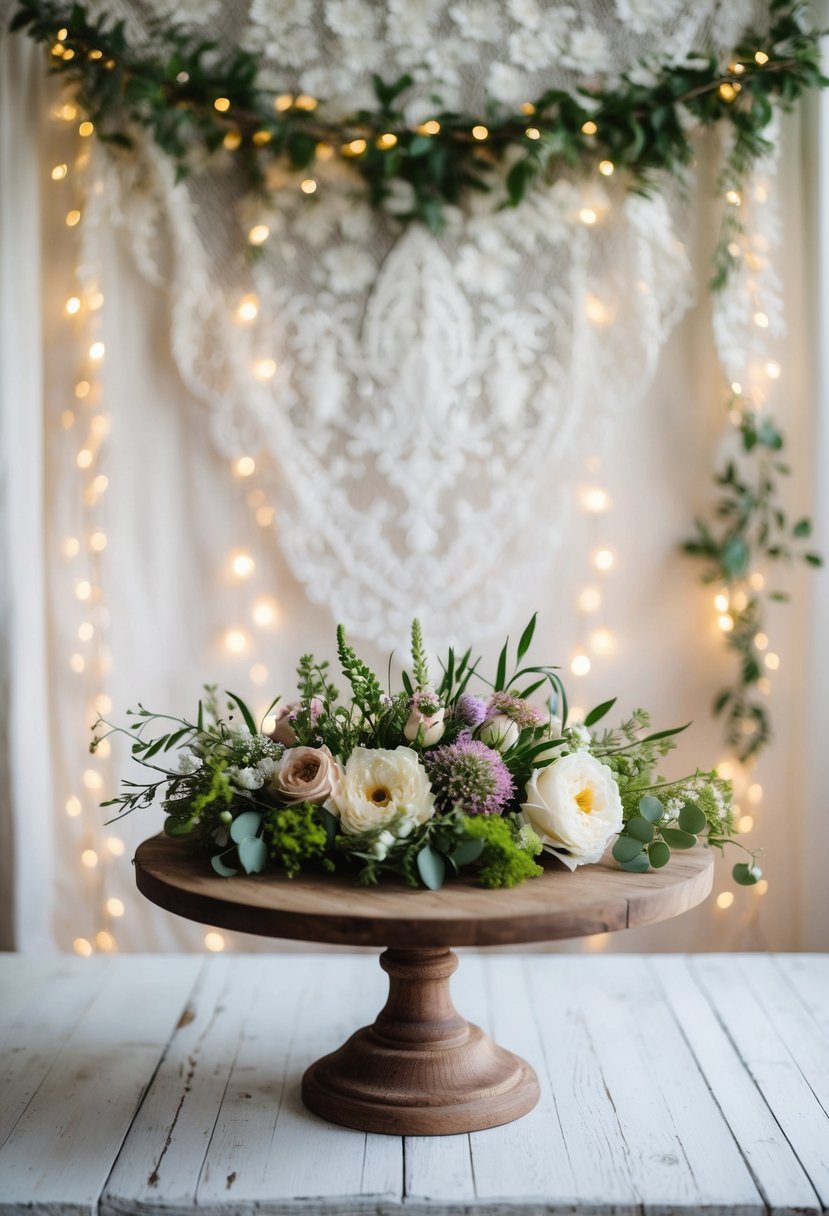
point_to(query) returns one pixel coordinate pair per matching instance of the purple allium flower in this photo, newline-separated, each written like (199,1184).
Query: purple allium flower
(469,710)
(470,775)
(522,712)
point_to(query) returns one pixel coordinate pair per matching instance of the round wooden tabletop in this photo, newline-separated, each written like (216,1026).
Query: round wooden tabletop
(331,908)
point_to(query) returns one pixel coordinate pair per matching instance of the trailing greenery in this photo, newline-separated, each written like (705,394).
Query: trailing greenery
(750,540)
(170,85)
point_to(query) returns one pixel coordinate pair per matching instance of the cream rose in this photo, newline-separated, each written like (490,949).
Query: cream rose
(378,786)
(574,806)
(425,723)
(500,731)
(306,774)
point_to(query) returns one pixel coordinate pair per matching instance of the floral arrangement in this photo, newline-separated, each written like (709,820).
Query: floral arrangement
(424,782)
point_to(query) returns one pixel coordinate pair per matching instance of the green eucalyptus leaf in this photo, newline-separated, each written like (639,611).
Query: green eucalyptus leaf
(467,852)
(651,808)
(626,848)
(745,874)
(244,825)
(331,824)
(678,839)
(636,865)
(432,867)
(253,853)
(691,819)
(175,827)
(659,854)
(639,828)
(220,867)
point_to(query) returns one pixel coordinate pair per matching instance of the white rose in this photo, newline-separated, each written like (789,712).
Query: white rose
(423,727)
(575,808)
(378,786)
(500,732)
(305,774)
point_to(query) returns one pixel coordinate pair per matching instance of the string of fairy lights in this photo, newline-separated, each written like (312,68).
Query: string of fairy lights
(86,420)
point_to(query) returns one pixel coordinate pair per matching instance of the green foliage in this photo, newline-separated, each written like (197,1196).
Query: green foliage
(751,533)
(419,663)
(365,687)
(509,849)
(296,835)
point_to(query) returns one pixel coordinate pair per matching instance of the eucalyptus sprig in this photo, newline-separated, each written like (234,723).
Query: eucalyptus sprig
(750,540)
(189,93)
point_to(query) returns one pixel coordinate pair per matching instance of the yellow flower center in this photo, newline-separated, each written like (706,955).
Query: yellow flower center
(584,800)
(380,796)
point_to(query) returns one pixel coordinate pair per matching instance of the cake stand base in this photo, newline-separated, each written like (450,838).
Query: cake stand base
(421,1069)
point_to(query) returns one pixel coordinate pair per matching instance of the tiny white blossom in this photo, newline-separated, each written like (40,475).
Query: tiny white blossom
(246,778)
(188,763)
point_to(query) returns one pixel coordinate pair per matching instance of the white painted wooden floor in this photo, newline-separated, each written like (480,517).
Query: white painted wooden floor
(169,1084)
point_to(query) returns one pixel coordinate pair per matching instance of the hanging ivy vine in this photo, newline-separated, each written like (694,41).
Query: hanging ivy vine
(192,96)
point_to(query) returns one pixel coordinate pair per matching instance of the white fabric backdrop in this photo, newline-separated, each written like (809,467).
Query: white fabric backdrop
(163,596)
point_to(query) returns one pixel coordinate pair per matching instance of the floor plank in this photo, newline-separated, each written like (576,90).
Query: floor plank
(765,1050)
(60,1152)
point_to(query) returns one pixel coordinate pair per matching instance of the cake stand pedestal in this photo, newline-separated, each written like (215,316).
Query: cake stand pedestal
(421,1069)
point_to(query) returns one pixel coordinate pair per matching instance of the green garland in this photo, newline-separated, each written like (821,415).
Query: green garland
(193,96)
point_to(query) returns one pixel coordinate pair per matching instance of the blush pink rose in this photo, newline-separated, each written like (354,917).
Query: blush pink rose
(306,774)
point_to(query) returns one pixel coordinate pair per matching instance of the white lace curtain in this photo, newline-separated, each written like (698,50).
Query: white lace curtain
(435,410)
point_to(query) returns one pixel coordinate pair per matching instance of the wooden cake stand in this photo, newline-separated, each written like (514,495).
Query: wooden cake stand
(421,1069)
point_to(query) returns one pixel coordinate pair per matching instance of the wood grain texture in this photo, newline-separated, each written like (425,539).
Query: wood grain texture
(421,1069)
(668,1086)
(331,908)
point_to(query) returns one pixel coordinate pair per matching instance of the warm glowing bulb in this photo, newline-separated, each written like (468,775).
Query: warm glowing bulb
(606,167)
(264,612)
(258,673)
(89,858)
(602,641)
(105,941)
(235,641)
(248,308)
(232,141)
(761,320)
(72,305)
(308,186)
(580,665)
(588,216)
(740,601)
(480,132)
(603,559)
(745,823)
(772,661)
(100,483)
(734,197)
(355,147)
(725,899)
(73,217)
(77,663)
(726,622)
(589,127)
(258,234)
(264,369)
(71,546)
(527,107)
(84,458)
(98,542)
(82,389)
(103,703)
(67,112)
(59,172)
(760,57)
(595,500)
(432,127)
(761,641)
(595,309)
(85,631)
(222,104)
(387,140)
(736,388)
(245,466)
(92,779)
(756,581)
(115,846)
(761,887)
(754,793)
(264,516)
(532,133)
(97,350)
(83,589)
(721,602)
(773,369)
(73,806)
(214,942)
(115,907)
(590,600)
(727,91)
(243,565)
(103,748)
(85,129)
(306,102)
(83,947)
(260,138)
(283,102)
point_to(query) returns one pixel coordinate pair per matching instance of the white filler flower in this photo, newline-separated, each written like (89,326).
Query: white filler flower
(575,808)
(380,785)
